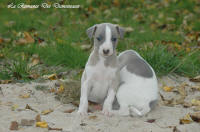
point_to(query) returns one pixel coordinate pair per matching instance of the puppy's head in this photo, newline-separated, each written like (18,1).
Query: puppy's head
(105,36)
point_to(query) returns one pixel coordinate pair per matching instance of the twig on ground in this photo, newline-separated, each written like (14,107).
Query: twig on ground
(1,91)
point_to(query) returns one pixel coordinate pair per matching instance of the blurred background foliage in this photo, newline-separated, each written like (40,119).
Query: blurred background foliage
(34,42)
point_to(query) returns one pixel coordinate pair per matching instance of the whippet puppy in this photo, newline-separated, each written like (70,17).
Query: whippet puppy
(138,91)
(100,78)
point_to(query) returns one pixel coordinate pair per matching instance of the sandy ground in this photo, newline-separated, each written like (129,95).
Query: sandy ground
(12,108)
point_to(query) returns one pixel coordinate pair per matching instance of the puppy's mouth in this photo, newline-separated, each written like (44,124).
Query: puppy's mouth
(106,55)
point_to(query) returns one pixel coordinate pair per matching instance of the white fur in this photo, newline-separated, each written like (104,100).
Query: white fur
(100,78)
(136,92)
(107,45)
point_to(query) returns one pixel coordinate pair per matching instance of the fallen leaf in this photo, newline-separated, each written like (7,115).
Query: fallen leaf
(181,89)
(52,90)
(175,129)
(42,124)
(5,81)
(6,40)
(151,120)
(195,102)
(28,38)
(93,117)
(129,29)
(85,47)
(30,108)
(24,96)
(195,117)
(75,103)
(116,2)
(14,107)
(38,118)
(197,108)
(14,125)
(180,100)
(167,88)
(34,62)
(90,9)
(26,122)
(1,55)
(116,20)
(195,87)
(45,112)
(61,89)
(187,105)
(195,79)
(56,129)
(186,119)
(34,76)
(69,111)
(21,41)
(51,77)
(1,40)
(83,124)
(166,102)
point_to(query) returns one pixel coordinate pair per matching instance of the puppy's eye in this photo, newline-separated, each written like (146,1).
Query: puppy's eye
(99,38)
(114,39)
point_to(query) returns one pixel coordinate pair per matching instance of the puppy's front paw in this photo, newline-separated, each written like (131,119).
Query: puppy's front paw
(82,112)
(107,112)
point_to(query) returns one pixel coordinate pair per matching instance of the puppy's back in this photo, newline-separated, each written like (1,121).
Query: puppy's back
(135,64)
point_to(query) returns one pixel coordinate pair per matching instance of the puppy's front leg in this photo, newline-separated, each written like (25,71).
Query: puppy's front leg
(107,106)
(83,106)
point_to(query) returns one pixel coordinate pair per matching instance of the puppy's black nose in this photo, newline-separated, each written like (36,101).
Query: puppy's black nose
(106,51)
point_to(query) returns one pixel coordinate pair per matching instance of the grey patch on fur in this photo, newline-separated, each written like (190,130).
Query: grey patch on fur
(135,64)
(91,31)
(94,58)
(98,31)
(121,83)
(115,105)
(153,103)
(120,31)
(139,67)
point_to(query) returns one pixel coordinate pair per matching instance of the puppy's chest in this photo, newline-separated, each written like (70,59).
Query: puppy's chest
(101,73)
(101,79)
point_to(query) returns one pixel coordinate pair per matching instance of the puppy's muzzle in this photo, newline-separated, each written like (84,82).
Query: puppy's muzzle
(106,51)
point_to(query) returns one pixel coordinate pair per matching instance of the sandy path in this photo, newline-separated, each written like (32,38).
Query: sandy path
(12,108)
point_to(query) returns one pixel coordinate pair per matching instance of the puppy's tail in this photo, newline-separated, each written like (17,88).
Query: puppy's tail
(136,112)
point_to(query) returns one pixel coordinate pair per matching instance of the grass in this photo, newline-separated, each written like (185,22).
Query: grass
(163,31)
(164,62)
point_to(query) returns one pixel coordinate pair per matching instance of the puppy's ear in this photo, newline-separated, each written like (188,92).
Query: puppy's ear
(120,31)
(91,31)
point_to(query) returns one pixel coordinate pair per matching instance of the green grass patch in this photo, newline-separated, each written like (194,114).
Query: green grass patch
(164,62)
(63,32)
(59,54)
